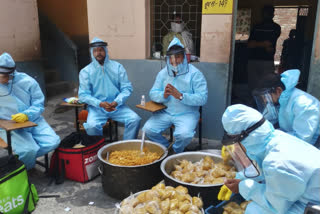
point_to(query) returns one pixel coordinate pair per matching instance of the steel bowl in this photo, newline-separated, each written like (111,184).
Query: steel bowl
(208,193)
(120,181)
(135,195)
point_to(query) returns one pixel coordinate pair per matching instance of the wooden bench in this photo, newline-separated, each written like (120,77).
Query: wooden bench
(8,126)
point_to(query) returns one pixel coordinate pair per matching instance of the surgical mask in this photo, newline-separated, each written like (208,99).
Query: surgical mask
(6,88)
(266,105)
(270,112)
(176,27)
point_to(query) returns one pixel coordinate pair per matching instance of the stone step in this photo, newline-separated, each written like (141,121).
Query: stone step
(58,87)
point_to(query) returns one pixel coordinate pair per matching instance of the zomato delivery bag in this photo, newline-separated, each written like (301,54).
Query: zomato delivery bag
(17,195)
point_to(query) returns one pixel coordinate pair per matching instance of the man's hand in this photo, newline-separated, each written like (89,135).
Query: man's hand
(104,105)
(108,106)
(113,106)
(171,90)
(233,185)
(267,44)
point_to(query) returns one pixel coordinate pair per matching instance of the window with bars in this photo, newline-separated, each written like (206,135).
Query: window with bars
(163,13)
(243,24)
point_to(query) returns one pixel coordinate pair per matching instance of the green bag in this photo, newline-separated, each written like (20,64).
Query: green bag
(17,195)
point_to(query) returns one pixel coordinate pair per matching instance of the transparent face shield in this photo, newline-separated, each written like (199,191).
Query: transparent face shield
(238,152)
(266,104)
(176,64)
(242,161)
(6,84)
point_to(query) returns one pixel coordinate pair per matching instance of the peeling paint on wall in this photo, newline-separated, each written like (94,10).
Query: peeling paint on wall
(19,32)
(121,23)
(216,38)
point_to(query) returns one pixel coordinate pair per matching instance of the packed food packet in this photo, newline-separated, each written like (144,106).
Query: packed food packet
(161,199)
(72,100)
(235,208)
(203,172)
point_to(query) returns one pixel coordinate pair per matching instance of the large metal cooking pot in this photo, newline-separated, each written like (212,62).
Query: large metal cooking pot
(120,181)
(208,193)
(135,195)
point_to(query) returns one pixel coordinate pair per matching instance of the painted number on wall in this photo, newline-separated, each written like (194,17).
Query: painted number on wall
(217,6)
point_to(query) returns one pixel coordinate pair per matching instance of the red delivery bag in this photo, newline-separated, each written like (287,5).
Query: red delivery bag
(78,164)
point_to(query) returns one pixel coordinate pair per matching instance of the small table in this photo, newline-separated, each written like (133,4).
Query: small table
(10,125)
(152,106)
(76,106)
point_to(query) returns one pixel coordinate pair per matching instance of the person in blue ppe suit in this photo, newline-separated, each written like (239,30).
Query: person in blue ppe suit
(105,87)
(182,88)
(297,112)
(290,166)
(21,99)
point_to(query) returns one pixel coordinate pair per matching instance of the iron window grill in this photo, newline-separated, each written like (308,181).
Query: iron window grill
(162,13)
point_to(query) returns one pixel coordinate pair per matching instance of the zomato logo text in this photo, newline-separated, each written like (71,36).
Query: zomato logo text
(90,159)
(8,203)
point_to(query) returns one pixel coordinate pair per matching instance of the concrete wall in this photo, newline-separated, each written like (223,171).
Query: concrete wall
(33,69)
(19,31)
(215,74)
(70,16)
(125,26)
(216,38)
(122,24)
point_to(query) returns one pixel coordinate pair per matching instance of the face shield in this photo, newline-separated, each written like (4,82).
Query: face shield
(6,80)
(176,62)
(267,105)
(238,152)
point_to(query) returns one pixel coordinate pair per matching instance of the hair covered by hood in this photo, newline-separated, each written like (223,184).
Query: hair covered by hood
(238,118)
(7,61)
(183,67)
(290,78)
(95,39)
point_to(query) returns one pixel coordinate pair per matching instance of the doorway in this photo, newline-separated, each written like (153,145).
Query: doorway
(299,16)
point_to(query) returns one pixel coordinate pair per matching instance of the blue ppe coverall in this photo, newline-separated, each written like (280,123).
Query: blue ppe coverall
(183,114)
(25,96)
(299,112)
(107,83)
(290,166)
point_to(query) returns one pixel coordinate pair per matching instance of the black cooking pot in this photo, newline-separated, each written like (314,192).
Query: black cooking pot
(120,181)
